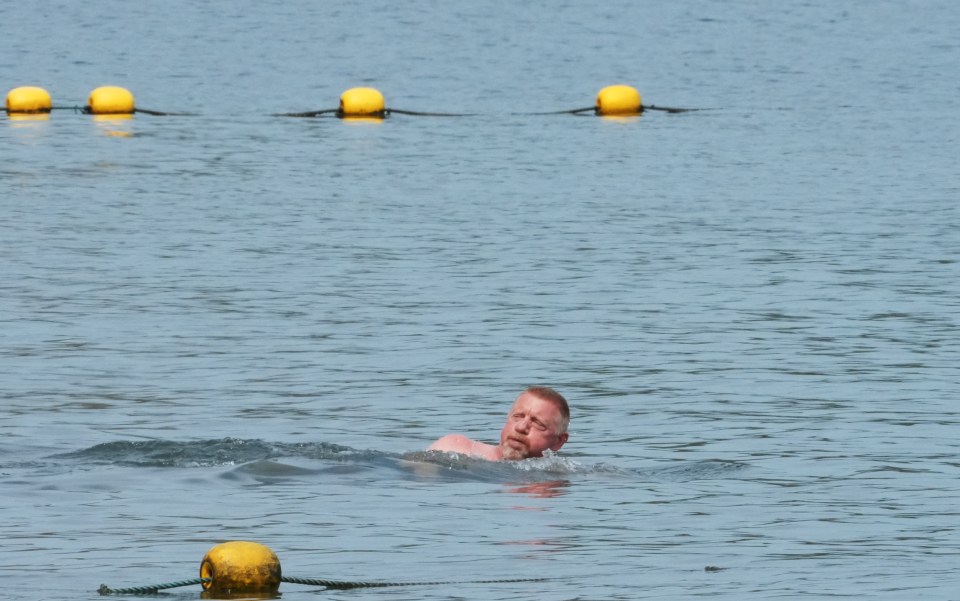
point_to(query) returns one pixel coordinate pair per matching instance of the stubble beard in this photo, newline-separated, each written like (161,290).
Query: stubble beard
(511,453)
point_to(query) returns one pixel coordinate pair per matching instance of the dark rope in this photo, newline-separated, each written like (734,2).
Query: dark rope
(307,113)
(340,584)
(163,114)
(151,589)
(375,115)
(379,114)
(87,111)
(421,114)
(643,107)
(570,112)
(650,107)
(74,108)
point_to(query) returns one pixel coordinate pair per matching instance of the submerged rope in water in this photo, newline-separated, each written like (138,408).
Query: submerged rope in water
(340,584)
(150,589)
(153,589)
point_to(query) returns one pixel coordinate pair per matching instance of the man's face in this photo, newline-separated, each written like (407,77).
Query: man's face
(531,428)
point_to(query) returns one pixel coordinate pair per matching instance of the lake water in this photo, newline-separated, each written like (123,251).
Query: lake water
(234,325)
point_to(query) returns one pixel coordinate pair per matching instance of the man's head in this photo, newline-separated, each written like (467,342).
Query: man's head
(537,421)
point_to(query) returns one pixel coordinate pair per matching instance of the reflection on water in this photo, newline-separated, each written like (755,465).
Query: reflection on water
(116,126)
(623,119)
(544,490)
(239,596)
(362,120)
(24,119)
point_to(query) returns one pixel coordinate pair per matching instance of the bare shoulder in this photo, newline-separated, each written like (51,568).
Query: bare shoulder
(458,443)
(452,443)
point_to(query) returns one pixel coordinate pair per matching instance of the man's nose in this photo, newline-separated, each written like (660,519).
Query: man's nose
(523,425)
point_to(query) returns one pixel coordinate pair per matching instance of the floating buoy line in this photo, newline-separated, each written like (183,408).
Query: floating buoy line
(619,101)
(105,100)
(366,103)
(237,568)
(355,103)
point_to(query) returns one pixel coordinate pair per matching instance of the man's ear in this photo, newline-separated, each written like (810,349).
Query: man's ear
(560,441)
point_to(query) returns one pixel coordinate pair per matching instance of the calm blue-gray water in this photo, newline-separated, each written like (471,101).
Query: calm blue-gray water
(236,325)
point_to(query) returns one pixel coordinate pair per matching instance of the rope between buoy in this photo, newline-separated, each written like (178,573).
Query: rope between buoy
(340,584)
(150,589)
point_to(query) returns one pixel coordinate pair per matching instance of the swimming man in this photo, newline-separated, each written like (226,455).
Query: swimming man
(537,421)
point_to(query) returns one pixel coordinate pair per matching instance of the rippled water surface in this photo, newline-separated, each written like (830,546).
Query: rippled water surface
(234,325)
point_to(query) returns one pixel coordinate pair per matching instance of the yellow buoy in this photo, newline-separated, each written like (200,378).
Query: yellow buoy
(28,99)
(240,567)
(619,100)
(110,100)
(362,102)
